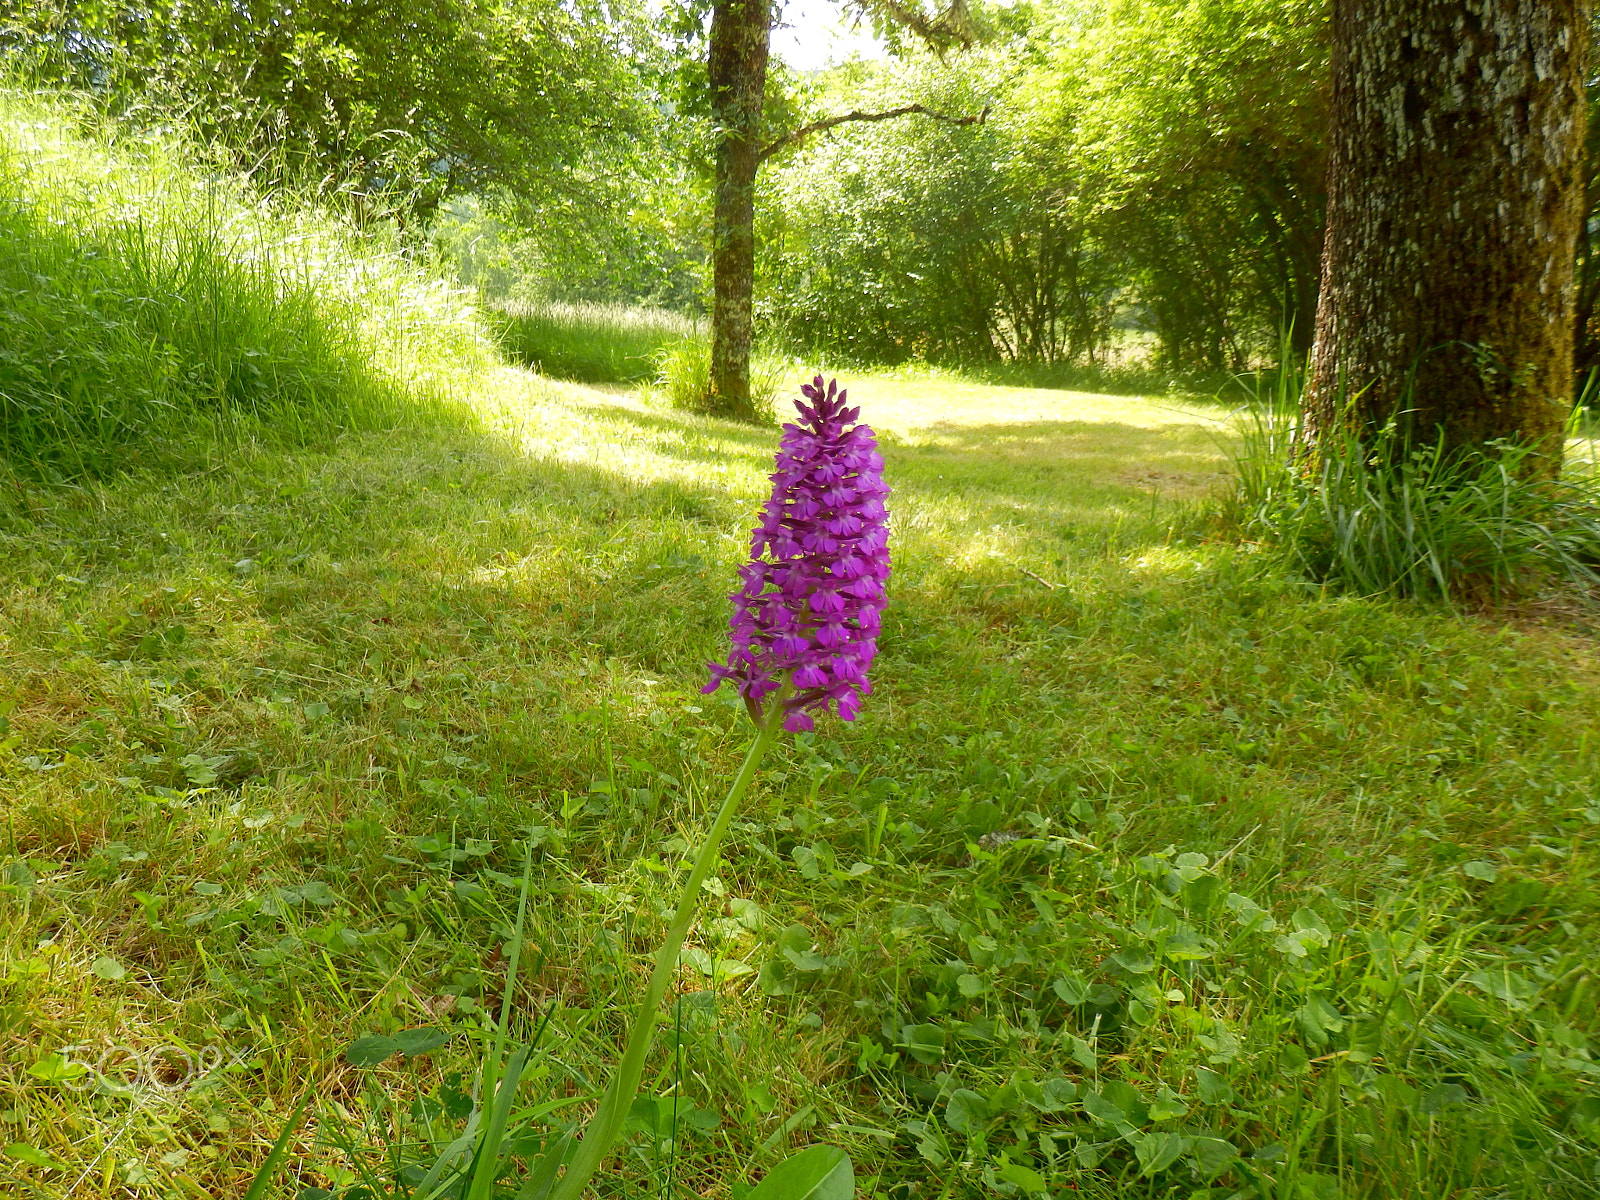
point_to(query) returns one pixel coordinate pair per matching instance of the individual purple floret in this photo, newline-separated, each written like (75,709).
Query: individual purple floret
(814,588)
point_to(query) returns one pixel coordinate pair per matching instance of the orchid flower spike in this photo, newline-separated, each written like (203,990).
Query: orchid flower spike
(809,610)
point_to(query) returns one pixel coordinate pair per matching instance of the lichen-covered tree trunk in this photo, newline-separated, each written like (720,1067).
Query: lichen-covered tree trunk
(738,76)
(1455,192)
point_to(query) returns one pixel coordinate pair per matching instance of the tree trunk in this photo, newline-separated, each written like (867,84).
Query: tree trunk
(1454,198)
(738,76)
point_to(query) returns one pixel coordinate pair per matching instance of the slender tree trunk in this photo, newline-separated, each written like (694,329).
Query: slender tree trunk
(1454,197)
(738,70)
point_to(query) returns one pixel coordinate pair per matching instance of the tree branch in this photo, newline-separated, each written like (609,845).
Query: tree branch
(799,135)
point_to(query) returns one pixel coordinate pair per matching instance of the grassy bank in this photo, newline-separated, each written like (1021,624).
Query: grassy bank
(590,343)
(149,305)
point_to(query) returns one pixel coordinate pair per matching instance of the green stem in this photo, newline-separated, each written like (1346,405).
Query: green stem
(606,1124)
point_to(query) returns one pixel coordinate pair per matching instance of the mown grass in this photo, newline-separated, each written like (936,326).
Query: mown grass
(1147,871)
(1306,876)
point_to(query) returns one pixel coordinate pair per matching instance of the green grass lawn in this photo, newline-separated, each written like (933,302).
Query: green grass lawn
(1144,872)
(1147,871)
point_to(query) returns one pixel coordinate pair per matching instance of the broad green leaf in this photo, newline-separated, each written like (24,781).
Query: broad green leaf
(1135,962)
(1053,1095)
(1167,1106)
(1211,1156)
(412,1042)
(816,1173)
(1025,1178)
(925,1043)
(109,968)
(33,1156)
(1213,1088)
(54,1068)
(967,1112)
(1186,946)
(371,1050)
(1102,1110)
(1158,1151)
(1072,988)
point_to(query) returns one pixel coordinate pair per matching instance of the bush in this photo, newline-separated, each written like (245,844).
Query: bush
(1371,517)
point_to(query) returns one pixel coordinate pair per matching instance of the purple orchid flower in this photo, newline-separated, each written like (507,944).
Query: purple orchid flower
(813,591)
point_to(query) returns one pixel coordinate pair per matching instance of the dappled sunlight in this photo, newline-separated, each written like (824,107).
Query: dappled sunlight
(933,408)
(582,426)
(1171,562)
(973,486)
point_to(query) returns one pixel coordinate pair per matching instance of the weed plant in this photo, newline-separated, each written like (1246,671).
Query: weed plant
(148,307)
(590,343)
(1370,516)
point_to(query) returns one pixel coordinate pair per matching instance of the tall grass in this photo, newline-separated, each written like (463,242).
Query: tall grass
(1422,522)
(590,343)
(683,373)
(147,303)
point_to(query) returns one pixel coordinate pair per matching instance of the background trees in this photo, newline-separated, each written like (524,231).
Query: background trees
(1149,184)
(1150,163)
(933,240)
(539,103)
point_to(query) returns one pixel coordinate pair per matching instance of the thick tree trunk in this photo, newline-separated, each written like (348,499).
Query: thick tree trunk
(738,70)
(1455,191)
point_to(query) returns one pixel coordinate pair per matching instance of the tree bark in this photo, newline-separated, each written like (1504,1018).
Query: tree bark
(1454,199)
(738,74)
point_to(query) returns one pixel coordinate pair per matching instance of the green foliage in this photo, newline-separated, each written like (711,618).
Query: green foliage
(142,302)
(1201,126)
(920,239)
(442,97)
(1368,515)
(652,256)
(1148,167)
